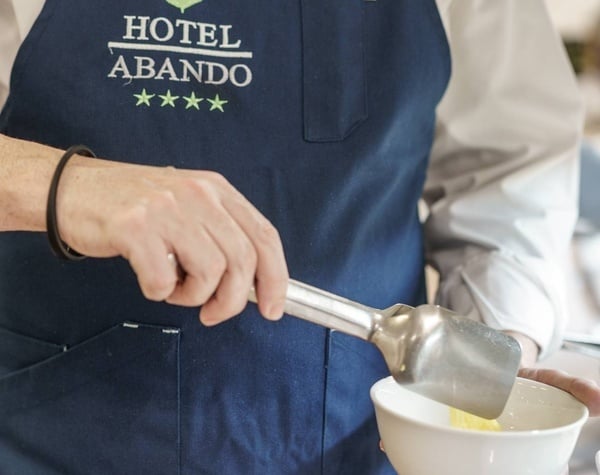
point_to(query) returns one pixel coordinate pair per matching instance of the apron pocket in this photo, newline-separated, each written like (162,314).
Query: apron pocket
(107,405)
(350,436)
(19,351)
(334,79)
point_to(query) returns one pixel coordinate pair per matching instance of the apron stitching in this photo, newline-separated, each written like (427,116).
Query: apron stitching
(179,462)
(324,418)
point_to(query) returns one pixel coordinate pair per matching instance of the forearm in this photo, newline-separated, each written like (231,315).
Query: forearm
(25,173)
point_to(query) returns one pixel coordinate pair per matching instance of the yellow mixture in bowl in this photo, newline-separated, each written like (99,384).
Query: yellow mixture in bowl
(464,420)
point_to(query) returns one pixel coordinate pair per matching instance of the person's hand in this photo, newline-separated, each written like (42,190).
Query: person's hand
(143,213)
(585,390)
(588,392)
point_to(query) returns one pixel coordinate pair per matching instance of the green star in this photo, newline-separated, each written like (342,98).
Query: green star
(144,98)
(193,101)
(168,99)
(217,103)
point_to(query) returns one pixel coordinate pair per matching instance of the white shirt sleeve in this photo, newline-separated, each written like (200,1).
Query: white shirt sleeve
(16,18)
(9,42)
(502,186)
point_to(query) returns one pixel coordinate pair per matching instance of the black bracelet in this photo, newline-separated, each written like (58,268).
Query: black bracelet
(58,246)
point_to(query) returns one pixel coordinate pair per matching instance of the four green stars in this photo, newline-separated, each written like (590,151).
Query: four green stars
(192,101)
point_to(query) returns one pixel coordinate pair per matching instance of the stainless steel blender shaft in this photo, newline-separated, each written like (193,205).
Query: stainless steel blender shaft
(428,349)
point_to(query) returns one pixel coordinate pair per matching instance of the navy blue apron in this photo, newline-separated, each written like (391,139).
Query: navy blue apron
(321,112)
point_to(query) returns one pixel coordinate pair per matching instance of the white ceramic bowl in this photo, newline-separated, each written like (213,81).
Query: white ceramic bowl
(540,428)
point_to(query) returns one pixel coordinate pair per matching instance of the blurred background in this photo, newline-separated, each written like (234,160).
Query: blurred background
(578,22)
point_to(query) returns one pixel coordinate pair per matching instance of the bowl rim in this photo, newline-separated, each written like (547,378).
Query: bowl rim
(482,433)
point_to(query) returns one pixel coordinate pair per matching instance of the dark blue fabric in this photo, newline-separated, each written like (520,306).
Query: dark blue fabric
(326,128)
(18,351)
(335,98)
(51,422)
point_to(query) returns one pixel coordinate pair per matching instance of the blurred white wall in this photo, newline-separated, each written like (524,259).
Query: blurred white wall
(575,19)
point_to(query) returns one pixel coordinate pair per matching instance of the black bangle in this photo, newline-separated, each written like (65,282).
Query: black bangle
(58,246)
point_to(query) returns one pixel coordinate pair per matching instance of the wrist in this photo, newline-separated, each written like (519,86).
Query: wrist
(529,348)
(60,248)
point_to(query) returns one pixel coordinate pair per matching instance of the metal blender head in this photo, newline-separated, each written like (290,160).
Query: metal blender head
(451,359)
(428,349)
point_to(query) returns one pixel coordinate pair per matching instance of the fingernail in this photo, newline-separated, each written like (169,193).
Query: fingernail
(275,311)
(205,320)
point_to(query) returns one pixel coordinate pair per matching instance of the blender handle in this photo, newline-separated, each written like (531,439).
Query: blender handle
(327,309)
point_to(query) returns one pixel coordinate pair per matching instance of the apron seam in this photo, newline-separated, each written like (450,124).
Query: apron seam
(179,444)
(324,415)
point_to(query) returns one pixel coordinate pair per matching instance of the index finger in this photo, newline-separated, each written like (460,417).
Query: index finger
(272,276)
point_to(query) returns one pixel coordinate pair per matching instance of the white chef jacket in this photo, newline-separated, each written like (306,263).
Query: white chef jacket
(502,186)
